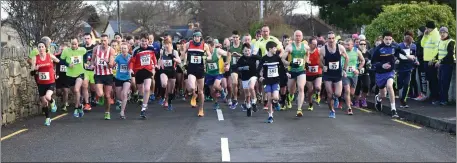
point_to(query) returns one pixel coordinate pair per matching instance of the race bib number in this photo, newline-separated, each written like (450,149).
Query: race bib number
(234,60)
(196,59)
(407,51)
(212,66)
(63,68)
(298,61)
(272,72)
(76,60)
(123,68)
(313,69)
(101,62)
(167,63)
(43,76)
(351,69)
(334,65)
(145,60)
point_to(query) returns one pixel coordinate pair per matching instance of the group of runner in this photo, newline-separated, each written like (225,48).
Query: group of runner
(265,69)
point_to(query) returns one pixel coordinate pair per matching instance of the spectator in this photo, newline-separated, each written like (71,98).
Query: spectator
(421,68)
(445,57)
(405,68)
(430,43)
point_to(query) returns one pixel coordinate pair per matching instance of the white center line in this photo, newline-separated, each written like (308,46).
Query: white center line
(219,115)
(225,150)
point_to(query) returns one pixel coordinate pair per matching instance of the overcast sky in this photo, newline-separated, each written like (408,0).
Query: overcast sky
(304,8)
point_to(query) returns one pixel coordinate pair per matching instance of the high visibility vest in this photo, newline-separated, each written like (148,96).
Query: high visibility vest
(442,48)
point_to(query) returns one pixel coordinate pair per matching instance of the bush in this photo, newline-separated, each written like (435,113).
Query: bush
(399,18)
(276,24)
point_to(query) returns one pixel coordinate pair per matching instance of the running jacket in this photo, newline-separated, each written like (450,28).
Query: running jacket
(385,54)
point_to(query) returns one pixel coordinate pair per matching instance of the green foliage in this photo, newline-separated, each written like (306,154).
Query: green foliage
(254,27)
(399,18)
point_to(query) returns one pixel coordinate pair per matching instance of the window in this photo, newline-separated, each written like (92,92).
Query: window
(9,38)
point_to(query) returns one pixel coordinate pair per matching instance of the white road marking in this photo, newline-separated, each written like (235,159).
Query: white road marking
(219,115)
(225,150)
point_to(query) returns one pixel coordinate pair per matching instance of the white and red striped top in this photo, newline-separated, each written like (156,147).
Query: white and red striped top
(101,62)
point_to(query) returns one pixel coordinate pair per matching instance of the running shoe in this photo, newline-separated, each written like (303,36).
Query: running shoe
(64,108)
(355,104)
(421,97)
(332,114)
(340,105)
(318,100)
(81,112)
(283,108)
(277,107)
(201,113)
(299,113)
(118,105)
(47,122)
(335,102)
(143,114)
(216,106)
(193,101)
(270,120)
(435,102)
(161,101)
(394,114)
(76,113)
(350,112)
(248,112)
(87,107)
(364,103)
(378,104)
(234,104)
(289,101)
(170,107)
(441,103)
(229,102)
(223,94)
(101,101)
(53,106)
(254,107)
(152,97)
(310,108)
(107,116)
(122,115)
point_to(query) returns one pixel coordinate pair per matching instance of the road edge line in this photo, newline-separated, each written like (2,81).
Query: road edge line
(14,133)
(59,116)
(407,124)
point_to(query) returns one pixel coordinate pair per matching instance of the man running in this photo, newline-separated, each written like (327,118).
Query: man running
(383,61)
(405,67)
(73,58)
(142,64)
(313,73)
(103,60)
(355,64)
(270,68)
(194,53)
(214,69)
(295,56)
(62,79)
(235,53)
(89,81)
(122,79)
(333,72)
(247,66)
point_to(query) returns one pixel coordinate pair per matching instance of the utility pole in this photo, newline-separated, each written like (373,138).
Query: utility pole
(261,10)
(312,18)
(119,16)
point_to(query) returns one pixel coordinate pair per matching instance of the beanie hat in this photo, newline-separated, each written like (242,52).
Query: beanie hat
(444,29)
(422,29)
(430,24)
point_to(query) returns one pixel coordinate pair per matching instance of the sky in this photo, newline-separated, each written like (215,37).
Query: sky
(304,8)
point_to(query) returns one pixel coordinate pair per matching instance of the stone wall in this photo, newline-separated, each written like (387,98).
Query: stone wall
(18,90)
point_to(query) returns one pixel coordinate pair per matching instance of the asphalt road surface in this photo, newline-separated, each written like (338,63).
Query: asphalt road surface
(180,135)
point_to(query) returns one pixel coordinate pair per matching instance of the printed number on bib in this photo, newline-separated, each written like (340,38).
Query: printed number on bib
(76,60)
(272,72)
(234,60)
(101,62)
(167,63)
(212,66)
(63,68)
(43,76)
(196,59)
(313,69)
(334,65)
(298,61)
(123,68)
(145,60)
(351,69)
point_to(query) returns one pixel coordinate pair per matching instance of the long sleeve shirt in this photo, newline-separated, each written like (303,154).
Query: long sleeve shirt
(385,54)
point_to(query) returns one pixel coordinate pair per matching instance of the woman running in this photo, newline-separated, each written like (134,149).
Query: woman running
(169,59)
(43,70)
(122,79)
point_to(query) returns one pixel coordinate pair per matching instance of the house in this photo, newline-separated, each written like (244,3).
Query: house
(310,26)
(9,36)
(181,32)
(127,27)
(93,32)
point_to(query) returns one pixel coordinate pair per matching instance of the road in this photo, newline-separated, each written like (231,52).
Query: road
(180,135)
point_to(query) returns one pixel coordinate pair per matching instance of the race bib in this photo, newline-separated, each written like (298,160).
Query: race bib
(313,69)
(407,51)
(272,72)
(196,59)
(334,65)
(167,63)
(145,60)
(101,62)
(298,61)
(63,68)
(76,60)
(123,68)
(351,69)
(212,66)
(43,75)
(234,60)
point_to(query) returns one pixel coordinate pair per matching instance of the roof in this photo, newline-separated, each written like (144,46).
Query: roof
(185,33)
(179,27)
(127,26)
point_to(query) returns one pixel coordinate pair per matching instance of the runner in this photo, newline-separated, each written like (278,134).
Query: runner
(179,71)
(103,60)
(285,100)
(122,79)
(89,81)
(294,57)
(363,83)
(142,65)
(62,80)
(247,67)
(235,53)
(313,74)
(215,69)
(355,64)
(194,53)
(332,71)
(383,61)
(156,48)
(404,68)
(73,58)
(43,70)
(270,69)
(169,60)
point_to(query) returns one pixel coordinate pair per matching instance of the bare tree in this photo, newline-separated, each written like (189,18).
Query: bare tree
(35,19)
(107,8)
(280,7)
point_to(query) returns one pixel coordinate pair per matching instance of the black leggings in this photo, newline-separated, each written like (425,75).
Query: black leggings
(46,111)
(363,84)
